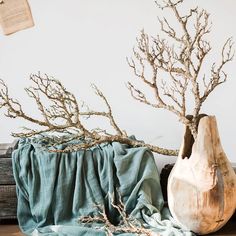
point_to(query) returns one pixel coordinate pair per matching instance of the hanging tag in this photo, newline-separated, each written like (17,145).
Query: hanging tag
(15,15)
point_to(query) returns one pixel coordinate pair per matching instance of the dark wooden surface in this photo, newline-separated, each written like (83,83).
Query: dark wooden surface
(6,173)
(7,148)
(8,201)
(3,149)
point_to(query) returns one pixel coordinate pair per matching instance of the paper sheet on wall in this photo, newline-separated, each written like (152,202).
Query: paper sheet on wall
(15,15)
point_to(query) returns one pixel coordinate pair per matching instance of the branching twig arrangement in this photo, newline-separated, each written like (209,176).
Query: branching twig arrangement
(64,116)
(173,68)
(172,72)
(126,225)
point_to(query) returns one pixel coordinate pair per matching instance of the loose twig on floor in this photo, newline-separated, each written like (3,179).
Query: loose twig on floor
(126,225)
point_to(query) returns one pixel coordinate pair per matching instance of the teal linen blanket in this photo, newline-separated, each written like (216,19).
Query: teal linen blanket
(55,189)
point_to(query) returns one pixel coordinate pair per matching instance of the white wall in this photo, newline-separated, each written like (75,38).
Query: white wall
(86,41)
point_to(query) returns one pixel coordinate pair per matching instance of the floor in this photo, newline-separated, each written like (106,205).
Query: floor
(12,229)
(9,228)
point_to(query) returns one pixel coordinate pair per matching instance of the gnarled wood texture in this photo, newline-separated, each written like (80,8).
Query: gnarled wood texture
(202,184)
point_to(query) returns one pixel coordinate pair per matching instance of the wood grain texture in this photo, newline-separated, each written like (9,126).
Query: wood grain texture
(202,186)
(3,150)
(6,149)
(10,230)
(8,201)
(6,173)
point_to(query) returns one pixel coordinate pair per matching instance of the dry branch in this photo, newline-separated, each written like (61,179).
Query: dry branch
(176,70)
(62,118)
(127,224)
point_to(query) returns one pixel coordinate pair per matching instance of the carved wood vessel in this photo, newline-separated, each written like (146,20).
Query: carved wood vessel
(202,184)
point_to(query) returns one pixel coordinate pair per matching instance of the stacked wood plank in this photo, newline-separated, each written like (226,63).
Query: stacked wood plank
(8,197)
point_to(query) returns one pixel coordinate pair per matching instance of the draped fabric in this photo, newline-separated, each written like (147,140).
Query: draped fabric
(55,189)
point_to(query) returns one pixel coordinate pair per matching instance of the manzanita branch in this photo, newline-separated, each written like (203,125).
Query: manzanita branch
(64,117)
(176,70)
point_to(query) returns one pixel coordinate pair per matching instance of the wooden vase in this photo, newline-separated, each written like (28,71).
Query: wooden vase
(202,184)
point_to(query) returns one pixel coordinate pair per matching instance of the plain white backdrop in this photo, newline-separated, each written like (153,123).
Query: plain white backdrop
(87,41)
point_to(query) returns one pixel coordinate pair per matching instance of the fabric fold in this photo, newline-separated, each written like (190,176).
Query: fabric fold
(55,189)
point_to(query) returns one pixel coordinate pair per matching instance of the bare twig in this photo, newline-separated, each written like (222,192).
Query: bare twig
(62,117)
(180,65)
(126,225)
